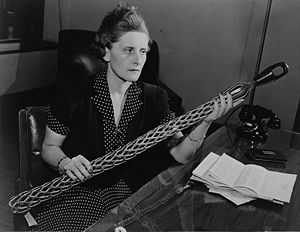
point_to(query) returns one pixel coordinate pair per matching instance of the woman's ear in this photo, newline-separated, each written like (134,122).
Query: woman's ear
(106,57)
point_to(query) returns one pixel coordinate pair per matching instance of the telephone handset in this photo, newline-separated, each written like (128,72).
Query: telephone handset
(255,123)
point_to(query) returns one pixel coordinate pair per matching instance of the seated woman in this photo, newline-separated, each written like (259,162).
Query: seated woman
(83,125)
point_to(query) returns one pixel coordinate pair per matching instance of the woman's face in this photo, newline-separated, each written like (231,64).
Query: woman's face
(127,56)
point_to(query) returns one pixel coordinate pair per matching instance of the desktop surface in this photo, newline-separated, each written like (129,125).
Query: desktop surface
(195,209)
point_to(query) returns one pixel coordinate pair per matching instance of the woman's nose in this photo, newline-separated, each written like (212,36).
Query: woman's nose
(137,58)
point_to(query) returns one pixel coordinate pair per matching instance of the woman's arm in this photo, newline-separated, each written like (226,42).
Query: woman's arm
(76,167)
(185,150)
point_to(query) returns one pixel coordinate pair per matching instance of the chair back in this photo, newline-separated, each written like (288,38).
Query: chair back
(32,169)
(77,59)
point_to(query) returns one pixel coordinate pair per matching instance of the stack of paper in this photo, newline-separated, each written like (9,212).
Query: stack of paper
(242,183)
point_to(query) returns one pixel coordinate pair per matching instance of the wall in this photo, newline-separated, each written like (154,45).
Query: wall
(282,44)
(26,79)
(26,71)
(205,45)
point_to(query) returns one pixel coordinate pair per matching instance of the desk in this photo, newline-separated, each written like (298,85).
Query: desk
(196,209)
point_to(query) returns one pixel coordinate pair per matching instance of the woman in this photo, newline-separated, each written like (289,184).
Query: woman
(117,109)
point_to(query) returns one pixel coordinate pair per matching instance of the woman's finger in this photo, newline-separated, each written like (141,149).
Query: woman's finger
(213,115)
(81,168)
(71,175)
(229,103)
(216,110)
(78,174)
(86,163)
(222,105)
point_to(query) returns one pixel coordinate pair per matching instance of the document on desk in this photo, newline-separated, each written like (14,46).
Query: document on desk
(242,183)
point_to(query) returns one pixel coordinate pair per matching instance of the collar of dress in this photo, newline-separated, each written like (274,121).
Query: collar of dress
(103,102)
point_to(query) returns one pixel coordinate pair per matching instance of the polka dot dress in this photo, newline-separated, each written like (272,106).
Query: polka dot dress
(79,207)
(54,124)
(114,136)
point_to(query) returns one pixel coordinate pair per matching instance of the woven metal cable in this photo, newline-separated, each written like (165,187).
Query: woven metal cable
(26,200)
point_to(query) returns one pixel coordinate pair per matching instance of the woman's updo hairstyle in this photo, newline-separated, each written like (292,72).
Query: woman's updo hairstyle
(124,18)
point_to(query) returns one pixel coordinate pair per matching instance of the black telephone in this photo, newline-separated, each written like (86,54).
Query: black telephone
(255,123)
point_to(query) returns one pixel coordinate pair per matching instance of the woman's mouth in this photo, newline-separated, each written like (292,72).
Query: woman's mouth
(134,70)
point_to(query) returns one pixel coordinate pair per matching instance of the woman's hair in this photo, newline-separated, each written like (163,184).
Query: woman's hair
(124,18)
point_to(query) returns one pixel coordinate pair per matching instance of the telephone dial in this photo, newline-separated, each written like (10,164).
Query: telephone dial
(255,123)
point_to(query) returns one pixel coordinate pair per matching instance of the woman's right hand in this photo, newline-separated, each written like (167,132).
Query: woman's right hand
(76,168)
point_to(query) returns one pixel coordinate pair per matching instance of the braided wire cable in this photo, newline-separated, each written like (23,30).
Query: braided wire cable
(26,200)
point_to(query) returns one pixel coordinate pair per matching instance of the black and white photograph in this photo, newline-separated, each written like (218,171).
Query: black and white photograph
(149,115)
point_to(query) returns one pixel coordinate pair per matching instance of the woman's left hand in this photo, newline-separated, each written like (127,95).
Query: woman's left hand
(221,108)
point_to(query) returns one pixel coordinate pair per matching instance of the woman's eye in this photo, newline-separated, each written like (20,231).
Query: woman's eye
(129,50)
